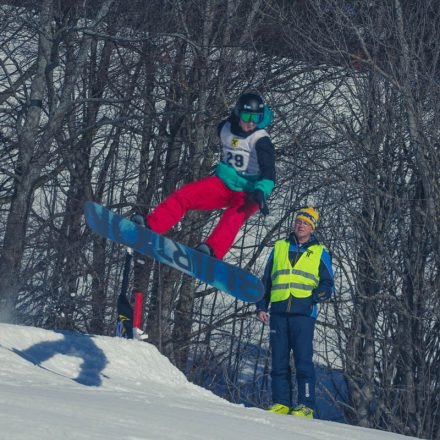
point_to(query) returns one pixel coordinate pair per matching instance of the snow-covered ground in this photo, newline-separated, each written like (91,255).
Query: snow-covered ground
(62,385)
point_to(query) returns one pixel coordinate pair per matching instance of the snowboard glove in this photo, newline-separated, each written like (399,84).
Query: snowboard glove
(258,196)
(318,297)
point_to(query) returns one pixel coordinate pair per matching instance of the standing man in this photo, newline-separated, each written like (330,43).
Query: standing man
(297,277)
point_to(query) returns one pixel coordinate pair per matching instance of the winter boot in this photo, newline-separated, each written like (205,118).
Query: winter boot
(302,411)
(279,408)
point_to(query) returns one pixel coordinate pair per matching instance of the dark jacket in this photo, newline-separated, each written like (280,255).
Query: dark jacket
(299,306)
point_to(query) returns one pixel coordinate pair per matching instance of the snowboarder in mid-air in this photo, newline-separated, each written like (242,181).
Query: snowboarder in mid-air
(242,182)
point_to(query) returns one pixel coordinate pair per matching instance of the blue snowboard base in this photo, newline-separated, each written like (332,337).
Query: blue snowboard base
(230,279)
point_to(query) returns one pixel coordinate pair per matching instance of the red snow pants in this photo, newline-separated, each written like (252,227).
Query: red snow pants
(205,195)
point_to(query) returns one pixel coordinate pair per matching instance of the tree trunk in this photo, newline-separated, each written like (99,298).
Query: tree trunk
(27,172)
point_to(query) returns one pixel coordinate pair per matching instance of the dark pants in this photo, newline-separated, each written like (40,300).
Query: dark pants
(292,332)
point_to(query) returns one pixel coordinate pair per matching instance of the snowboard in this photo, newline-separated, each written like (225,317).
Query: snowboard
(226,277)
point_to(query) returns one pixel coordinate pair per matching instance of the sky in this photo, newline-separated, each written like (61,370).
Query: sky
(66,385)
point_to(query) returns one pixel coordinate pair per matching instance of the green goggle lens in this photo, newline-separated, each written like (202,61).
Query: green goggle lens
(251,117)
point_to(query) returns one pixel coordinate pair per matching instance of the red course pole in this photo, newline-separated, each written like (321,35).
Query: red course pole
(137,310)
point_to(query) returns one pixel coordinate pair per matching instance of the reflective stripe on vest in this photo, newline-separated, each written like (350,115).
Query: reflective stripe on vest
(298,281)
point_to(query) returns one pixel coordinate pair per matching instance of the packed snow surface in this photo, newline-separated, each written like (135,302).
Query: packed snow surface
(65,385)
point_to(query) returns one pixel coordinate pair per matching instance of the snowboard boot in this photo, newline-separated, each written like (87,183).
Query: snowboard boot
(302,411)
(279,408)
(139,219)
(204,248)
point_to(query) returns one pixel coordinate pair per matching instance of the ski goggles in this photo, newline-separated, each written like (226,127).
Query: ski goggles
(251,117)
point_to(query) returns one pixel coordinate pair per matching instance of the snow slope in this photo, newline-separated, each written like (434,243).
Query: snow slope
(64,385)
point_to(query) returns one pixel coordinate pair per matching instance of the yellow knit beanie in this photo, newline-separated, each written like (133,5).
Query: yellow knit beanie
(310,215)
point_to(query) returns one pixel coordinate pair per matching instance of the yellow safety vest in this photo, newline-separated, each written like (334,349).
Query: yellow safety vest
(298,281)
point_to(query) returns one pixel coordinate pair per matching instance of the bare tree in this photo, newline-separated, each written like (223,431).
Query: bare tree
(34,149)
